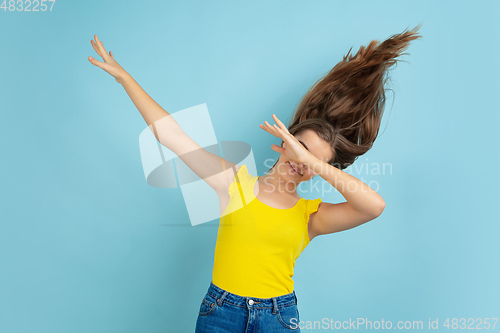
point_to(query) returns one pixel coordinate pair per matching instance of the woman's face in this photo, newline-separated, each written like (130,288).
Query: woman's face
(312,142)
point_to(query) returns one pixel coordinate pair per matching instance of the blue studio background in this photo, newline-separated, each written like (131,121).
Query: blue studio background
(84,245)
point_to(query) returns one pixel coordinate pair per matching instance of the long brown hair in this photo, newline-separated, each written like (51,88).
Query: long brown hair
(346,105)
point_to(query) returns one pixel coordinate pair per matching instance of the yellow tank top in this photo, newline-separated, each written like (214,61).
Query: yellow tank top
(257,244)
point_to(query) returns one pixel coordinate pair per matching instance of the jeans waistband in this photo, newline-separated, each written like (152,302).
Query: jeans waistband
(221,295)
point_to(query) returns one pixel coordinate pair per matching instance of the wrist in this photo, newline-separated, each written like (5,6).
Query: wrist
(320,167)
(311,161)
(123,77)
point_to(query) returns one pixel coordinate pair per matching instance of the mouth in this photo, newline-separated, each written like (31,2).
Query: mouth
(293,169)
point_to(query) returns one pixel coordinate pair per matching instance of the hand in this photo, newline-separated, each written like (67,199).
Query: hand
(294,150)
(109,65)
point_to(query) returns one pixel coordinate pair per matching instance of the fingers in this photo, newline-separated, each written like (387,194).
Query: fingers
(99,44)
(280,124)
(282,135)
(266,129)
(280,128)
(270,129)
(280,131)
(101,48)
(96,49)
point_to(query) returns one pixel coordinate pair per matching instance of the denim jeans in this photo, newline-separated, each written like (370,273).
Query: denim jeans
(225,312)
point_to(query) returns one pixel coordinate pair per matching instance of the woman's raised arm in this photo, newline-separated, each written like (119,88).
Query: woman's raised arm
(216,171)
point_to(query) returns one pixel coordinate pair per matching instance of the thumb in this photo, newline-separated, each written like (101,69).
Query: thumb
(96,62)
(278,148)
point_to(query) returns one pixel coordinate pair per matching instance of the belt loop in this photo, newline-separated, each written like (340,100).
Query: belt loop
(295,297)
(221,299)
(275,305)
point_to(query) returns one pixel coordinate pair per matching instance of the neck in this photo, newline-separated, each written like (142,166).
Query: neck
(276,183)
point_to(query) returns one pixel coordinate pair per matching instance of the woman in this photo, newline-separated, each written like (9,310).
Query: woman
(265,224)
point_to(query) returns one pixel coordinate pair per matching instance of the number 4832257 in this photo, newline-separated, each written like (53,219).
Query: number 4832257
(479,323)
(27,5)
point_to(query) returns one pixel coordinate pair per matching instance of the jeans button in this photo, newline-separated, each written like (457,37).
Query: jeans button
(250,302)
